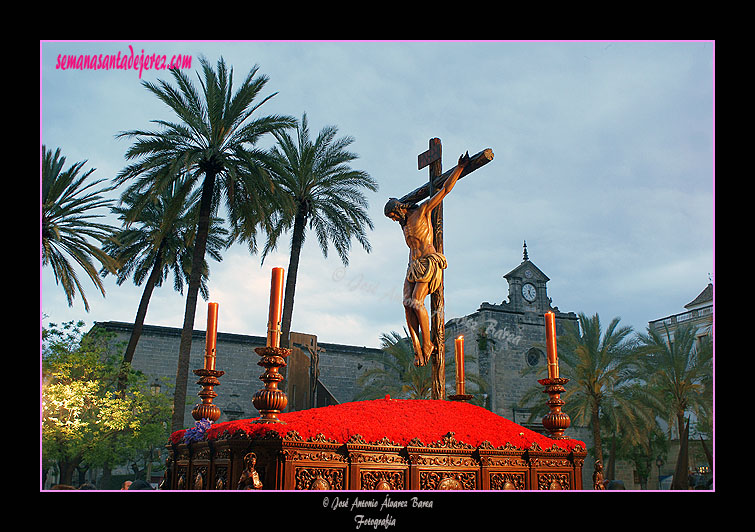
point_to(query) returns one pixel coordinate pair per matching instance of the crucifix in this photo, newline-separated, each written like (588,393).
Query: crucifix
(422,225)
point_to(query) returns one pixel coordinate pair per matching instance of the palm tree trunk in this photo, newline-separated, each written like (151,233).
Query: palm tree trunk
(681,472)
(141,313)
(708,453)
(611,469)
(297,240)
(184,350)
(596,432)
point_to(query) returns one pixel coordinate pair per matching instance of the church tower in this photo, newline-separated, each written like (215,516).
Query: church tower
(505,338)
(527,287)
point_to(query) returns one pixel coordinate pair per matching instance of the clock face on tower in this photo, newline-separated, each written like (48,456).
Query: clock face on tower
(528,292)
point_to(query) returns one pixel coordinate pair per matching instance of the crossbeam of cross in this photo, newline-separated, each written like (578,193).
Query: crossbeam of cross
(476,161)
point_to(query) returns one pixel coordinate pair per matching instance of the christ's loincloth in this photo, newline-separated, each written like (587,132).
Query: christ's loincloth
(427,269)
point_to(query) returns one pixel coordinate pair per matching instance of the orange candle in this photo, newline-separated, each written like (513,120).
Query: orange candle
(550,337)
(211,336)
(276,308)
(459,351)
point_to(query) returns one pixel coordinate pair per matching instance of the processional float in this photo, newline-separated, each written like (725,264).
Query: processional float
(386,444)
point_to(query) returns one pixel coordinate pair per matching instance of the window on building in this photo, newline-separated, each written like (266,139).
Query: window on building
(533,356)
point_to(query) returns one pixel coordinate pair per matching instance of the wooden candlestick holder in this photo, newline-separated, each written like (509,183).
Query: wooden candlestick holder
(555,421)
(460,394)
(270,401)
(460,397)
(206,409)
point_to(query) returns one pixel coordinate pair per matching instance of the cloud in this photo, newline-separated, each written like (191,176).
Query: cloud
(603,163)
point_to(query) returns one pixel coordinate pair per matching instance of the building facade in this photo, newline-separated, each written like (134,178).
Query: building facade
(506,338)
(698,314)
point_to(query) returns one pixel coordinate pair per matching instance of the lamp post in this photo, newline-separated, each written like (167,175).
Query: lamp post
(155,387)
(659,462)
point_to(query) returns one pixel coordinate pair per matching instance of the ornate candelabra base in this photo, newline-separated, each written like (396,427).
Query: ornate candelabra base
(555,422)
(270,401)
(206,409)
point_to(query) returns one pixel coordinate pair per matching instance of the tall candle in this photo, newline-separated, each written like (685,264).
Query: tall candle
(211,336)
(459,351)
(276,308)
(550,337)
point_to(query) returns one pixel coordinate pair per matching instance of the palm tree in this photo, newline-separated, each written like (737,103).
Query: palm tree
(679,370)
(67,212)
(213,142)
(158,242)
(628,416)
(324,193)
(644,454)
(598,365)
(397,375)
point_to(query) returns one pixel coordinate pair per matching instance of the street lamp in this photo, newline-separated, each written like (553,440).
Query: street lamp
(155,387)
(659,462)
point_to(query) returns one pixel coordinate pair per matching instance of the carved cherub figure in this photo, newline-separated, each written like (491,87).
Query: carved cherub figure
(597,477)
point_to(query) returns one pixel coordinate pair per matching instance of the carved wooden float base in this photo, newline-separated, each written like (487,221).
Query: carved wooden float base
(290,462)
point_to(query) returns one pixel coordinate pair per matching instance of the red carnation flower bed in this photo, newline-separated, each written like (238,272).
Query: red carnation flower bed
(399,420)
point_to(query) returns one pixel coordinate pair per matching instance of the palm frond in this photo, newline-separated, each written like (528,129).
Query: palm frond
(69,208)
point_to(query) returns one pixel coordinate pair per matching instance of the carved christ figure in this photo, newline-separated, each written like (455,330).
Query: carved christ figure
(426,264)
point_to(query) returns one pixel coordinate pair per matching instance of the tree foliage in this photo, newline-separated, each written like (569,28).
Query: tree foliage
(319,192)
(623,383)
(70,234)
(84,419)
(598,364)
(156,240)
(212,141)
(678,373)
(396,375)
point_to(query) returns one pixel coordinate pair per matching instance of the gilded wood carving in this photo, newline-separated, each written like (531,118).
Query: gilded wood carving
(292,462)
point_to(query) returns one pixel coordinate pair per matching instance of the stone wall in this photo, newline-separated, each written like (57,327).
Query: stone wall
(157,355)
(501,344)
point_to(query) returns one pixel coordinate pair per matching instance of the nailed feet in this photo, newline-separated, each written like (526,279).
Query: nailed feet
(423,357)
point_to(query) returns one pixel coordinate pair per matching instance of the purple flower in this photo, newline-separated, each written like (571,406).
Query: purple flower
(197,432)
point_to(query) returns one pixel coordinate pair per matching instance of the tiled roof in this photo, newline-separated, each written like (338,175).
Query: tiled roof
(704,296)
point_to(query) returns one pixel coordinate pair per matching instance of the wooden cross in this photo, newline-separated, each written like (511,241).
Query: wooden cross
(432,158)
